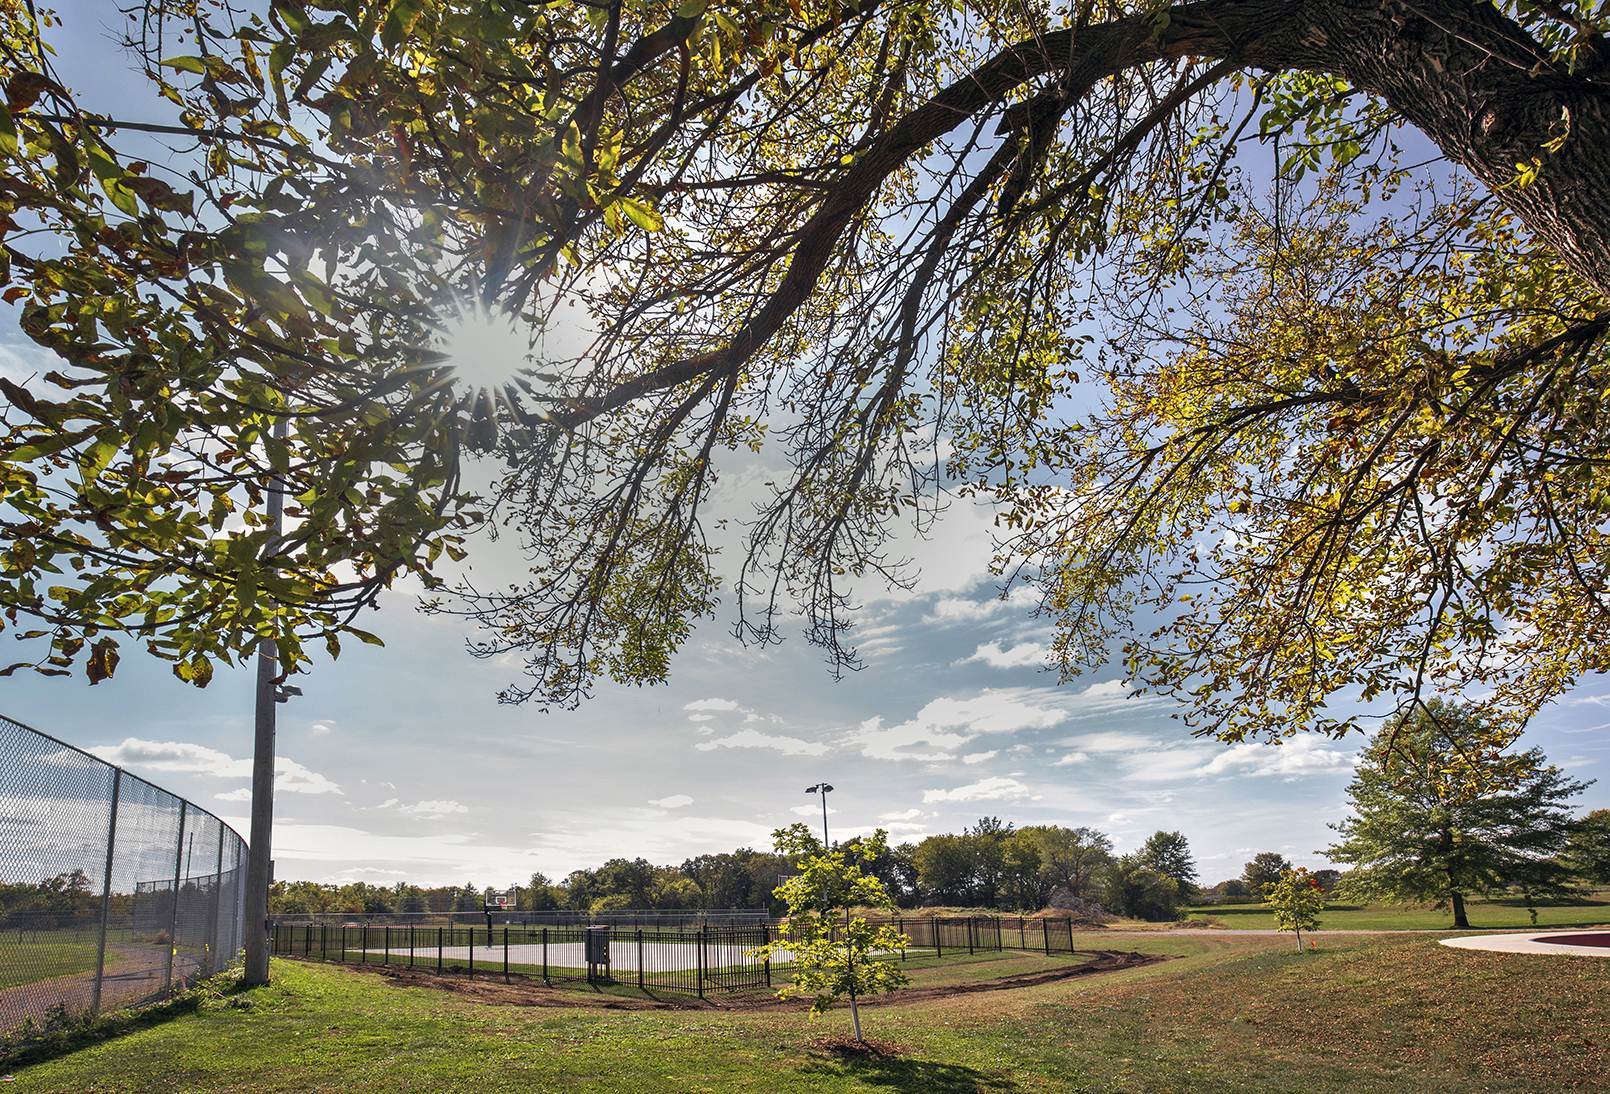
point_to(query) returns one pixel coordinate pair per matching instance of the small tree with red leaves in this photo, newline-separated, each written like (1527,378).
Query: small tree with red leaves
(1296,899)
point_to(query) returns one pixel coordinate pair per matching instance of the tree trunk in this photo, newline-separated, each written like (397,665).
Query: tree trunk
(1458,900)
(1475,84)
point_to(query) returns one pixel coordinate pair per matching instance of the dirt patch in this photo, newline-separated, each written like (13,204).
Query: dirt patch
(848,1048)
(520,991)
(523,992)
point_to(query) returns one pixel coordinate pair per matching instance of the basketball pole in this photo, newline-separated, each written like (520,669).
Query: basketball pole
(260,863)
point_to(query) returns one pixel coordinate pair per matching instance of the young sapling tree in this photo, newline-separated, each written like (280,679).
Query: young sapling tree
(1296,899)
(834,952)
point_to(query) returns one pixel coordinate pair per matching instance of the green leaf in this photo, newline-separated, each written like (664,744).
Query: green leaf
(187,64)
(644,215)
(8,132)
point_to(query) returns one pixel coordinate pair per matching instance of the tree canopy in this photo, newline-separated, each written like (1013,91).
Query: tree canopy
(1281,320)
(1439,814)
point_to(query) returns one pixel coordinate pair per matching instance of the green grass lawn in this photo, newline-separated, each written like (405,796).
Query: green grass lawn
(1583,912)
(31,961)
(1231,1013)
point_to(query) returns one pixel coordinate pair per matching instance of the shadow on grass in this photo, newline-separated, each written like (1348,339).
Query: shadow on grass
(62,1032)
(905,1073)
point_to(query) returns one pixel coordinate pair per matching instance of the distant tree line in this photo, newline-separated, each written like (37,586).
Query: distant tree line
(1436,819)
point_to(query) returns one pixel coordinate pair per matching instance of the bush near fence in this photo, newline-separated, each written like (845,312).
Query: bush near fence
(692,960)
(113,892)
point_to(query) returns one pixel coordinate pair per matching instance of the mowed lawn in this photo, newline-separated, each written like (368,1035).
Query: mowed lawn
(1231,1012)
(1591,911)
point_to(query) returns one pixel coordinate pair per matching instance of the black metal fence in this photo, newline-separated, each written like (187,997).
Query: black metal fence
(113,892)
(690,960)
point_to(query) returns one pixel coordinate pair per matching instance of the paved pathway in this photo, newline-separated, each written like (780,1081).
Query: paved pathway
(1535,942)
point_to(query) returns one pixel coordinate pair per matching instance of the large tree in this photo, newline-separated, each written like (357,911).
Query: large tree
(1439,816)
(1266,868)
(1340,265)
(1169,853)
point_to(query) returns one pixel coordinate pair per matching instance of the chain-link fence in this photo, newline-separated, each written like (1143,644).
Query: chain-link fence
(113,892)
(668,958)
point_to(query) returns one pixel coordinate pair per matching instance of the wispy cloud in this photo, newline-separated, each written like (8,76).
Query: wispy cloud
(947,724)
(1022,655)
(675,801)
(702,706)
(183,757)
(995,788)
(434,809)
(753,738)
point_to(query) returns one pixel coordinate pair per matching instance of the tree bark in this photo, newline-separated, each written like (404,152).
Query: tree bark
(1458,901)
(1477,85)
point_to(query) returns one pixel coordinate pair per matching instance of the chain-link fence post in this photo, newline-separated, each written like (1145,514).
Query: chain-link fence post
(106,893)
(213,932)
(173,920)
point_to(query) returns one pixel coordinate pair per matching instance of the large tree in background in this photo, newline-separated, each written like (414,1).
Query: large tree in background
(1169,853)
(1350,410)
(1440,815)
(1589,851)
(1266,868)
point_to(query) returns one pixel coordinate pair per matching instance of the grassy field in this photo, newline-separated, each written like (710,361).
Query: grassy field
(1584,912)
(27,962)
(1231,1012)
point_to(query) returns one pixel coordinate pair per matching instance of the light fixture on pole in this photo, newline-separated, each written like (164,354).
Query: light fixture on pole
(823,789)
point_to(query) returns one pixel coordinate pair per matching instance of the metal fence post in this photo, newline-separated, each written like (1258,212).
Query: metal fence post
(699,959)
(1069,922)
(217,896)
(173,920)
(544,955)
(765,934)
(410,945)
(640,958)
(1045,934)
(939,945)
(472,953)
(438,949)
(363,943)
(106,892)
(970,935)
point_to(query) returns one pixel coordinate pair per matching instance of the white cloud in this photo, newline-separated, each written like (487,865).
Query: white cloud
(1071,758)
(433,809)
(322,729)
(811,811)
(1022,655)
(675,801)
(949,610)
(946,724)
(902,815)
(244,794)
(1295,756)
(979,757)
(700,717)
(996,788)
(706,705)
(185,758)
(387,804)
(1111,741)
(752,738)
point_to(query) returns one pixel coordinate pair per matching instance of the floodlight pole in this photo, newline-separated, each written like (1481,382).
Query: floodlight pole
(260,860)
(823,789)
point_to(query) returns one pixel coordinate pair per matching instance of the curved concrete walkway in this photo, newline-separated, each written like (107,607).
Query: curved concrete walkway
(1535,942)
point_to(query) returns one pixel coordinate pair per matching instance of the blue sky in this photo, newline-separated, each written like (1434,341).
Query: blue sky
(399,763)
